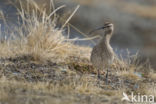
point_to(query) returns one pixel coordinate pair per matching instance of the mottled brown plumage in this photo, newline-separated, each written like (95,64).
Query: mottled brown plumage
(102,55)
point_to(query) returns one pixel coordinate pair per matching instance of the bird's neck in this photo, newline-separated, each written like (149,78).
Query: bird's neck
(106,39)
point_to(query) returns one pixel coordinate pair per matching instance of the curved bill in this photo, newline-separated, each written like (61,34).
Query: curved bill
(98,29)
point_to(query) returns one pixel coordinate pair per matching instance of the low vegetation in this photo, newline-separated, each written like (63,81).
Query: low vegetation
(39,64)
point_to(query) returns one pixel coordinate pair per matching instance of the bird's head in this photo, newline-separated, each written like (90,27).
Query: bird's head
(108,28)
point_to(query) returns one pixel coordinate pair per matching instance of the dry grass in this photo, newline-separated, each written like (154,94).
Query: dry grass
(37,36)
(152,75)
(13,91)
(38,64)
(151,89)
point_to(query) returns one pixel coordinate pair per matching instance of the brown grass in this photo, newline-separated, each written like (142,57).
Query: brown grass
(11,91)
(58,70)
(37,36)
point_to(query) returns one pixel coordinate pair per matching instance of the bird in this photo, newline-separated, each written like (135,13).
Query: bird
(102,54)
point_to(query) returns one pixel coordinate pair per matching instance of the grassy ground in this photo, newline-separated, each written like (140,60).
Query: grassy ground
(38,65)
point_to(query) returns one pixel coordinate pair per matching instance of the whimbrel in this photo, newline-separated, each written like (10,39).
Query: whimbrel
(102,55)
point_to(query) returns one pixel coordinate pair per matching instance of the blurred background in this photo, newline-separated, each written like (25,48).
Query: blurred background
(134,20)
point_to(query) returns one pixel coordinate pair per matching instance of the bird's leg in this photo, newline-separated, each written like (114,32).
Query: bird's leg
(107,76)
(98,78)
(98,74)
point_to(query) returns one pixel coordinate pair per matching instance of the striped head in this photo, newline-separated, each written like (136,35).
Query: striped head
(108,28)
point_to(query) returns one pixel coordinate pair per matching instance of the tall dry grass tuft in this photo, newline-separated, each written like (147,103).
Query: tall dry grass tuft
(36,35)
